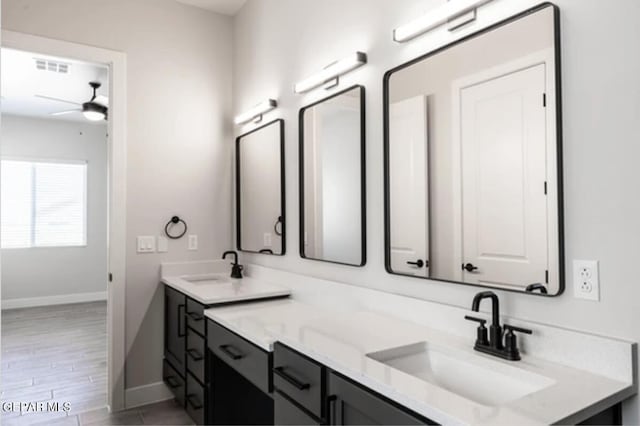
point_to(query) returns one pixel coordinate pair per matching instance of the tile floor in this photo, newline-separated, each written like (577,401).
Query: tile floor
(58,354)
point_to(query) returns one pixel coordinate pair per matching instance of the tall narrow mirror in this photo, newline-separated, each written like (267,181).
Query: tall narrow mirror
(332,170)
(260,195)
(473,186)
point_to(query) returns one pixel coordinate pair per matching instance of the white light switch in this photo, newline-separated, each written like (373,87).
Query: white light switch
(146,244)
(163,244)
(193,242)
(586,281)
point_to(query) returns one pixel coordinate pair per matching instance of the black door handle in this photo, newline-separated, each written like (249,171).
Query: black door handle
(195,316)
(195,354)
(194,401)
(469,267)
(181,330)
(279,371)
(231,352)
(419,263)
(173,382)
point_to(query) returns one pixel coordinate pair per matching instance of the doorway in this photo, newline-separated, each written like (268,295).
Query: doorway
(113,203)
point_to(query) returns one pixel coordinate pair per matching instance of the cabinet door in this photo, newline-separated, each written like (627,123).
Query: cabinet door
(352,404)
(287,413)
(174,329)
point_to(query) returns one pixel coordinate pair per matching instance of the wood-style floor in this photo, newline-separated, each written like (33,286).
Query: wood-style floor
(59,354)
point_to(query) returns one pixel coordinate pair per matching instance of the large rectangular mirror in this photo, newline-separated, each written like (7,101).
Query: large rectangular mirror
(473,186)
(332,187)
(260,201)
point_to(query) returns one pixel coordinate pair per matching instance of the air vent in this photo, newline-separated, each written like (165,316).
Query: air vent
(52,66)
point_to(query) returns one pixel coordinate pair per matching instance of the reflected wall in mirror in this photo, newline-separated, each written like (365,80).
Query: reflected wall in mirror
(332,170)
(473,188)
(260,200)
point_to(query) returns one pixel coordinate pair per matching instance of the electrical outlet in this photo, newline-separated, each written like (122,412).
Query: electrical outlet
(267,239)
(193,242)
(146,244)
(586,281)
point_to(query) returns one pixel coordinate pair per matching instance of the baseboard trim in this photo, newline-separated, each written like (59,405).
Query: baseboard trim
(64,299)
(147,394)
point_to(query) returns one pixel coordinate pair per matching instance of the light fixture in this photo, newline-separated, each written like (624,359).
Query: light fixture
(255,113)
(453,9)
(93,111)
(332,72)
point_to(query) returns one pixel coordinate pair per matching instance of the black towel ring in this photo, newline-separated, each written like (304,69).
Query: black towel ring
(175,220)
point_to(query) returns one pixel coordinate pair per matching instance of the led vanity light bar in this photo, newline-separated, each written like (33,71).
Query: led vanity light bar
(451,10)
(332,72)
(255,113)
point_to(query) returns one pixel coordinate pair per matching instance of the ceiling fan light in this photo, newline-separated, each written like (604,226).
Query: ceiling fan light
(94,112)
(93,115)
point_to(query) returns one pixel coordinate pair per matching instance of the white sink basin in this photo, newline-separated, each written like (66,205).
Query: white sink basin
(208,279)
(470,376)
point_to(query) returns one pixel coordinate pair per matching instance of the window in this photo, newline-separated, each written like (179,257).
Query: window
(43,204)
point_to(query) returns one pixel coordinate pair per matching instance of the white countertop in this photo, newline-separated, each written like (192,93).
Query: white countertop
(226,290)
(341,341)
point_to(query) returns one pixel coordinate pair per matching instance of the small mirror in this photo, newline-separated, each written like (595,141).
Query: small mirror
(260,202)
(473,160)
(332,187)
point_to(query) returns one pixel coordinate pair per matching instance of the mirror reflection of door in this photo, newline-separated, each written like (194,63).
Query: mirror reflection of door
(503,151)
(472,154)
(410,187)
(332,147)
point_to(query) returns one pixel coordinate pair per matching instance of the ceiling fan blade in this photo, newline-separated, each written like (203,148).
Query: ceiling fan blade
(57,99)
(69,111)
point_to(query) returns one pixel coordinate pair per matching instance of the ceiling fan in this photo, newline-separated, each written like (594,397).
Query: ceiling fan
(95,109)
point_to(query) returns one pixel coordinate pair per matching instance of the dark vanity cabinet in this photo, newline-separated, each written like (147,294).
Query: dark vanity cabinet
(184,353)
(240,377)
(308,393)
(353,404)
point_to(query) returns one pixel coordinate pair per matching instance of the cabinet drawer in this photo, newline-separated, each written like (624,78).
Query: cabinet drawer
(287,413)
(195,400)
(353,404)
(173,380)
(300,378)
(195,355)
(195,316)
(243,356)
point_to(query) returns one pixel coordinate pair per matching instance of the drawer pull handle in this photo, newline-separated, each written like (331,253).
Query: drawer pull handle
(172,382)
(181,331)
(194,402)
(231,352)
(279,371)
(195,354)
(195,316)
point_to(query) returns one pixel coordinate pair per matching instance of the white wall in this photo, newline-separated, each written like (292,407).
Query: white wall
(66,270)
(278,42)
(179,141)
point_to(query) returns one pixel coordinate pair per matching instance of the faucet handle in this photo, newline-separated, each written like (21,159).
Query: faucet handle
(511,342)
(512,328)
(482,338)
(482,321)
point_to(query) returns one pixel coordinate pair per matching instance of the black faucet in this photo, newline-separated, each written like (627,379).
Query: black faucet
(493,344)
(537,286)
(236,270)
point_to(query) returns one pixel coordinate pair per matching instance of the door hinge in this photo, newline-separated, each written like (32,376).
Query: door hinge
(546,276)
(110,277)
(544,100)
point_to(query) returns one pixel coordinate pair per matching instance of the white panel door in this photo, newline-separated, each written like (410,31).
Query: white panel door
(409,186)
(504,205)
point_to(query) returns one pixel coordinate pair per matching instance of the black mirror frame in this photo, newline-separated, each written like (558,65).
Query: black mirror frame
(558,82)
(363,174)
(283,203)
